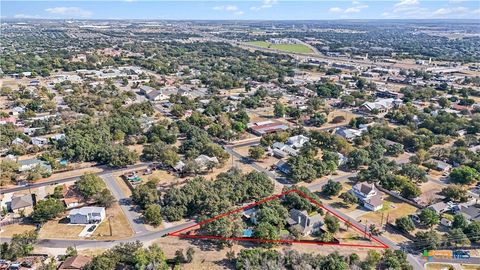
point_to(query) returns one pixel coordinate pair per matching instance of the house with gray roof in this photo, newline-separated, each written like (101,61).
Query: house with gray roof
(305,223)
(21,203)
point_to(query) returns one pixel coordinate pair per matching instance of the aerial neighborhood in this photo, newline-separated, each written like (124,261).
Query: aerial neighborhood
(217,145)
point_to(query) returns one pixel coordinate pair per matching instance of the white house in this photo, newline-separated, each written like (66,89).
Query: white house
(87,215)
(368,195)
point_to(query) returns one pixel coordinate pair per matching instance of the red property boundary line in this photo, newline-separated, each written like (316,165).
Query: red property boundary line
(249,239)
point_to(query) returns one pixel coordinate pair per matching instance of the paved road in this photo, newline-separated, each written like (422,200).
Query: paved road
(144,237)
(70,179)
(132,211)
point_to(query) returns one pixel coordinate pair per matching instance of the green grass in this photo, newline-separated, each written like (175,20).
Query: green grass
(294,48)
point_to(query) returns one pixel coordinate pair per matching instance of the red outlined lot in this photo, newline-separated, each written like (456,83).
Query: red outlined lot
(181,233)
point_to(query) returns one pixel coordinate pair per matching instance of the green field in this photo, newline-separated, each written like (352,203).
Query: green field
(294,48)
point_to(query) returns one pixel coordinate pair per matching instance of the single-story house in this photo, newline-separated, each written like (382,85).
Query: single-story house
(29,164)
(156,95)
(297,141)
(39,141)
(441,165)
(471,212)
(439,207)
(144,89)
(380,105)
(203,160)
(76,262)
(71,198)
(348,133)
(266,127)
(87,215)
(22,203)
(283,167)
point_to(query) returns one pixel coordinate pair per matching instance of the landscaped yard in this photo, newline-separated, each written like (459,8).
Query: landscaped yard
(294,48)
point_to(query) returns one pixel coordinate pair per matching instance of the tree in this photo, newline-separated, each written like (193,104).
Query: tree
(119,156)
(46,210)
(317,119)
(457,237)
(153,214)
(89,185)
(348,198)
(459,222)
(150,258)
(395,259)
(145,194)
(332,223)
(405,224)
(374,230)
(265,230)
(455,193)
(414,172)
(473,231)
(427,240)
(331,188)
(279,110)
(429,217)
(20,245)
(190,253)
(256,152)
(357,158)
(464,175)
(104,198)
(410,190)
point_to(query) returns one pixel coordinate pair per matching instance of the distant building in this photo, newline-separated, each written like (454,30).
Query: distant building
(291,148)
(266,127)
(39,141)
(348,133)
(379,105)
(203,161)
(87,215)
(144,89)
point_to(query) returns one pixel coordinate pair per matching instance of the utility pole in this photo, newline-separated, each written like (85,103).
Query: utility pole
(110,225)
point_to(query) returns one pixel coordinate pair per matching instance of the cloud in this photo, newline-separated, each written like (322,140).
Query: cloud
(69,11)
(265,4)
(355,8)
(226,8)
(448,11)
(26,16)
(229,8)
(406,3)
(411,9)
(335,10)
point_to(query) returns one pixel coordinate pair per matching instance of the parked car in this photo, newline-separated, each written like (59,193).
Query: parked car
(91,229)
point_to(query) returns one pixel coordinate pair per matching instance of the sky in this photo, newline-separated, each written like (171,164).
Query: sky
(242,10)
